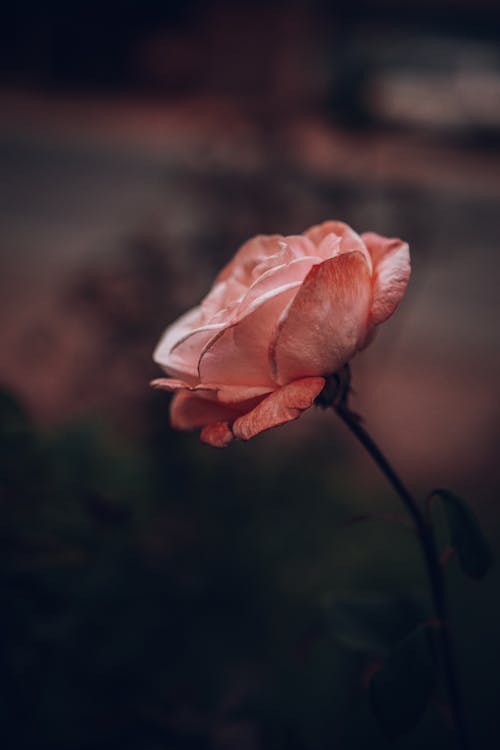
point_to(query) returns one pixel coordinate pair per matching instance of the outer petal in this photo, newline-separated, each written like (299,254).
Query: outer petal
(282,406)
(225,394)
(185,355)
(189,411)
(239,355)
(172,385)
(391,271)
(326,322)
(175,333)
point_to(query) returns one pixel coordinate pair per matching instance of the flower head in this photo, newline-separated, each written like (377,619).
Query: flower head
(282,315)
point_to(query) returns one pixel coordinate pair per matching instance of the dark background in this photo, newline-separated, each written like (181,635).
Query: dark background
(156,593)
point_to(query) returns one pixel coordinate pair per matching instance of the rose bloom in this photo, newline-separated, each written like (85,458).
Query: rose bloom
(282,315)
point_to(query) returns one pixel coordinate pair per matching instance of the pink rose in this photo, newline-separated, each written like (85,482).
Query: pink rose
(282,315)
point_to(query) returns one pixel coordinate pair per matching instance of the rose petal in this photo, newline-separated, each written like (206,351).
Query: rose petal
(184,356)
(235,394)
(391,262)
(249,255)
(174,333)
(239,354)
(225,394)
(326,322)
(329,247)
(189,411)
(218,435)
(349,239)
(276,280)
(300,245)
(288,249)
(283,405)
(221,301)
(172,385)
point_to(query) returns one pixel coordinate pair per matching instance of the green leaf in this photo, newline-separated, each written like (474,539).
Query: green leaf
(401,689)
(369,621)
(466,535)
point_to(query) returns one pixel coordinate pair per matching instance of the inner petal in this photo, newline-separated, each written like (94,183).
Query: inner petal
(277,279)
(248,256)
(350,240)
(238,355)
(288,249)
(223,296)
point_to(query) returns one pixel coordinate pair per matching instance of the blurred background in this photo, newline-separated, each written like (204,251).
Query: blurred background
(156,593)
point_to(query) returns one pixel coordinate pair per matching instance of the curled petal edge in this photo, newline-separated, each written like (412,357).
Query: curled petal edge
(391,272)
(283,405)
(225,394)
(221,422)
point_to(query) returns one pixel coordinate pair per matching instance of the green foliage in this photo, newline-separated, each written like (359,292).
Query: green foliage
(466,535)
(160,594)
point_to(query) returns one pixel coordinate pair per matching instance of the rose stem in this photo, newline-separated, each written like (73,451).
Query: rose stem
(427,541)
